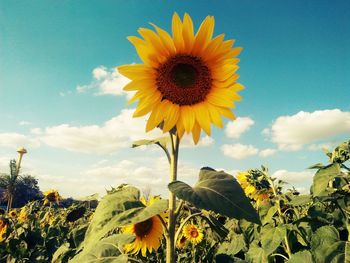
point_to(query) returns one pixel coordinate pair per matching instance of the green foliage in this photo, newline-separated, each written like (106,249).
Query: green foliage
(218,192)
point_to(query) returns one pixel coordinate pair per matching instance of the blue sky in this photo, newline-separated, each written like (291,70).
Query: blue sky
(61,99)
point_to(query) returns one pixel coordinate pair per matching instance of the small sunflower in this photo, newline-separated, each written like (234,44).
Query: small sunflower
(13,214)
(52,196)
(23,215)
(192,233)
(181,243)
(254,186)
(3,229)
(148,233)
(187,81)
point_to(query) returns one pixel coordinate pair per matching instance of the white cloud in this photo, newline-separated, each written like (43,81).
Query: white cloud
(16,140)
(118,132)
(24,123)
(239,151)
(234,129)
(267,152)
(294,177)
(293,132)
(151,174)
(106,82)
(187,141)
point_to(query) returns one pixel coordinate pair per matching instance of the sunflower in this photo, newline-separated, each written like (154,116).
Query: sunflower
(192,233)
(148,233)
(13,214)
(187,81)
(3,229)
(254,186)
(181,243)
(51,196)
(23,215)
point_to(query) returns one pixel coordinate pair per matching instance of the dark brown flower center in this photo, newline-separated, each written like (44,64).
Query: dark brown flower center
(184,80)
(194,233)
(51,197)
(143,228)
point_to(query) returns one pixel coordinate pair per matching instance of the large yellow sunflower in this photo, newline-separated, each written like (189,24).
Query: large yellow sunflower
(147,233)
(187,81)
(192,233)
(3,229)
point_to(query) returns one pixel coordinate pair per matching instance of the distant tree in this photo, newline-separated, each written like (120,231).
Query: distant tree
(8,183)
(17,190)
(27,190)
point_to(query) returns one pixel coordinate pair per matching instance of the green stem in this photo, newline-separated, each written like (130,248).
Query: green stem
(280,215)
(170,239)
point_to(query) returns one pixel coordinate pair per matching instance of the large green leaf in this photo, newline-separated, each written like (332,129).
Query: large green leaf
(112,204)
(300,200)
(271,237)
(256,254)
(322,178)
(107,250)
(302,256)
(139,214)
(322,240)
(231,248)
(218,192)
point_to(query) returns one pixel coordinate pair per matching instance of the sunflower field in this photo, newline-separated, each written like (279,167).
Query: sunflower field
(251,220)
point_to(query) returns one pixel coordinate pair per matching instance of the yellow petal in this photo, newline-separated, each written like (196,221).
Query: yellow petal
(146,105)
(136,71)
(145,52)
(166,39)
(187,117)
(196,133)
(226,113)
(155,118)
(204,35)
(177,33)
(172,116)
(153,39)
(215,116)
(202,117)
(187,32)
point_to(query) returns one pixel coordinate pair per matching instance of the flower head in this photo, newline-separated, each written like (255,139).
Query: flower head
(192,233)
(23,215)
(147,233)
(187,81)
(3,229)
(255,186)
(51,196)
(13,214)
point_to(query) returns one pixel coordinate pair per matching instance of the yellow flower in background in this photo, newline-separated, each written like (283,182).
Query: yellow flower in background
(23,215)
(13,214)
(181,243)
(3,229)
(187,81)
(254,186)
(148,233)
(192,233)
(51,196)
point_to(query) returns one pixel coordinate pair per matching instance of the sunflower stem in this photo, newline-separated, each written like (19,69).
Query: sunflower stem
(170,241)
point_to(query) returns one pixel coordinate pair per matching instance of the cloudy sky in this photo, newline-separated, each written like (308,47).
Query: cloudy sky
(61,98)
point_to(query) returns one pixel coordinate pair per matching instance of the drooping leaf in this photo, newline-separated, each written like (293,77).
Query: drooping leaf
(163,141)
(218,192)
(322,178)
(271,237)
(301,256)
(269,215)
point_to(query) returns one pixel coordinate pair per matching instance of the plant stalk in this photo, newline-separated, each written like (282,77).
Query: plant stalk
(170,240)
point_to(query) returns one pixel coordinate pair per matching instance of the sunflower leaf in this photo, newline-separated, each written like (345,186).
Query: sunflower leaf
(163,141)
(139,214)
(219,192)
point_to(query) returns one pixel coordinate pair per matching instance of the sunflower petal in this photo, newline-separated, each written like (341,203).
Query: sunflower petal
(202,117)
(177,33)
(196,133)
(187,32)
(204,35)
